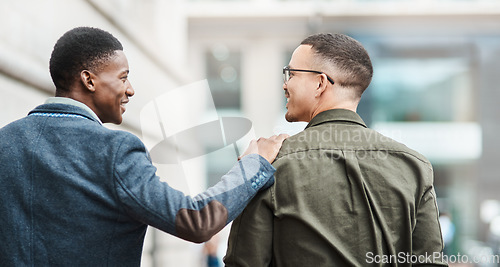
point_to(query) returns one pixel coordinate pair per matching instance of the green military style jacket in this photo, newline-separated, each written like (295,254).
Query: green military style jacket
(344,195)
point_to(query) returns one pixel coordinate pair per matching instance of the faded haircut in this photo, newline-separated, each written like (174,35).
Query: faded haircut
(345,56)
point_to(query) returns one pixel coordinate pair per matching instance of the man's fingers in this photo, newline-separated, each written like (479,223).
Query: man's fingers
(266,147)
(282,137)
(278,138)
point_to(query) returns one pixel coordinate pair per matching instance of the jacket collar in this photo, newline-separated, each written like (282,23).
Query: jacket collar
(336,115)
(64,109)
(70,101)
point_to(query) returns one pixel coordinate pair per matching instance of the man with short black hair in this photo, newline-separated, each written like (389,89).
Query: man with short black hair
(74,193)
(344,195)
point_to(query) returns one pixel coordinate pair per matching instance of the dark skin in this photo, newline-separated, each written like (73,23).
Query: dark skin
(106,90)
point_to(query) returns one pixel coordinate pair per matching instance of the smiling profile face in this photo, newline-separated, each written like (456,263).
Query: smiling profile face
(112,88)
(300,88)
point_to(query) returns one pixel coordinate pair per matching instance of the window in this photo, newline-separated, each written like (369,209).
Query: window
(223,75)
(419,89)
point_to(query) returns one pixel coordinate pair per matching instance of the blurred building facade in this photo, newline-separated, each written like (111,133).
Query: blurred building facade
(434,87)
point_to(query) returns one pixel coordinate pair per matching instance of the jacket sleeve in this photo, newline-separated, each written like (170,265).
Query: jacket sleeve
(251,238)
(196,219)
(427,240)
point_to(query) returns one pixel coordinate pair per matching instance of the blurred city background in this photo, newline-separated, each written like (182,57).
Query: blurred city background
(435,86)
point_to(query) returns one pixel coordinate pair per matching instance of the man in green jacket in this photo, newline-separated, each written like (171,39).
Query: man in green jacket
(344,195)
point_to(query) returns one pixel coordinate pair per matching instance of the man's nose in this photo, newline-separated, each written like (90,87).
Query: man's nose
(130,90)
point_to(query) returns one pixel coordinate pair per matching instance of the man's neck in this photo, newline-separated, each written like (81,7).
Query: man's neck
(341,105)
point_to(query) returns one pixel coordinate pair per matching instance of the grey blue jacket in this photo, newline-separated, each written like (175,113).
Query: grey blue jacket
(74,193)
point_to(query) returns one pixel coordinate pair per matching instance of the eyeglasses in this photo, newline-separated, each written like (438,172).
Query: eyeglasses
(287,70)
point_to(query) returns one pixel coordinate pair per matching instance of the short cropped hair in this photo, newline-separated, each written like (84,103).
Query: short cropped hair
(82,48)
(344,55)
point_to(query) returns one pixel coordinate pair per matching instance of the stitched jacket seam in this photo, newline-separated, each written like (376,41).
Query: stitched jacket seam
(32,232)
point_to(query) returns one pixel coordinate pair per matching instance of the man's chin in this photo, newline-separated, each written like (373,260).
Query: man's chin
(290,118)
(118,121)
